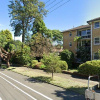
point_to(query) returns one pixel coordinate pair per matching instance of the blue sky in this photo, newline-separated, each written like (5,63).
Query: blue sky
(72,14)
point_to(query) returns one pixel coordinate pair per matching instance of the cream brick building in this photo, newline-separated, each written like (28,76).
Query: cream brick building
(90,37)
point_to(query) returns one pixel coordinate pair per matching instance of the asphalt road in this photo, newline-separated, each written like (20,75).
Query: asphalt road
(14,86)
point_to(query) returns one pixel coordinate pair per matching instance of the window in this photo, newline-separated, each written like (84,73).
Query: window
(70,44)
(96,24)
(70,34)
(96,56)
(83,33)
(88,31)
(97,41)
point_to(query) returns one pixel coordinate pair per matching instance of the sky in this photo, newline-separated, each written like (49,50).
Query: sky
(71,14)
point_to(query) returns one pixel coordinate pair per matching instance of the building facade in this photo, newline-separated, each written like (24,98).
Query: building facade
(90,38)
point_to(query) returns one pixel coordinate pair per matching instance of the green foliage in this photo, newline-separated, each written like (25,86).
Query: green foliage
(57,36)
(5,36)
(38,65)
(34,63)
(8,35)
(42,66)
(23,13)
(3,66)
(22,56)
(90,68)
(77,38)
(38,26)
(67,56)
(40,45)
(51,62)
(63,65)
(84,53)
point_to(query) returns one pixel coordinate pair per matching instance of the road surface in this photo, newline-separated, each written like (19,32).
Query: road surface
(14,86)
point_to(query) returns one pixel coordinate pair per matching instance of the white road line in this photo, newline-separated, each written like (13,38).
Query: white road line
(0,98)
(26,86)
(18,88)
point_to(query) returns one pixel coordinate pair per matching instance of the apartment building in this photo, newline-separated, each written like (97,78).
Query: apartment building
(90,38)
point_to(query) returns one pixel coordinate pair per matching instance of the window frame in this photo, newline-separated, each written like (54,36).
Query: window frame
(95,25)
(70,44)
(97,43)
(70,34)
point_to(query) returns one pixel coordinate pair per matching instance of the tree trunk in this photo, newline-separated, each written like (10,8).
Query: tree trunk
(23,36)
(8,64)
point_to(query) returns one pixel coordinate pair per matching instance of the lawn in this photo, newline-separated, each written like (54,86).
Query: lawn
(45,77)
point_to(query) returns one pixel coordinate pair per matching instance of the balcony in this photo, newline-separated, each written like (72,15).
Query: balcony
(86,37)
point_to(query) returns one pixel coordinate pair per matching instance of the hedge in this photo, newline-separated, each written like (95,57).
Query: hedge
(90,68)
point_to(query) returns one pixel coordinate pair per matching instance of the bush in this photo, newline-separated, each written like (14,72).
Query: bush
(21,56)
(38,65)
(67,56)
(34,63)
(42,66)
(90,67)
(63,65)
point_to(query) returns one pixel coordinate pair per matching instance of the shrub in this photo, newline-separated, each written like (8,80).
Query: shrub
(90,67)
(63,65)
(42,66)
(38,65)
(67,56)
(33,63)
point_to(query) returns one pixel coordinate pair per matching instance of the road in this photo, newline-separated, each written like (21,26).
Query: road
(14,86)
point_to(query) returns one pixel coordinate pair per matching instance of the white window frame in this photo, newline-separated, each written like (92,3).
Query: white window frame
(70,44)
(96,27)
(97,43)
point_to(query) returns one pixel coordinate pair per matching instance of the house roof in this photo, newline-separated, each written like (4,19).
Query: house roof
(93,19)
(76,28)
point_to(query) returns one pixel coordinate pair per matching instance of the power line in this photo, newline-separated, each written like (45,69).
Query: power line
(50,3)
(56,4)
(59,6)
(47,1)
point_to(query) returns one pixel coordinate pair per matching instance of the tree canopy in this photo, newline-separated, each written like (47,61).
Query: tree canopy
(23,13)
(5,36)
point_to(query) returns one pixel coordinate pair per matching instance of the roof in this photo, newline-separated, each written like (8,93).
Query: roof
(93,19)
(76,28)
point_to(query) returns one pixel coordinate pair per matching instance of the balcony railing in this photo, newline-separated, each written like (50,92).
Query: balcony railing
(85,37)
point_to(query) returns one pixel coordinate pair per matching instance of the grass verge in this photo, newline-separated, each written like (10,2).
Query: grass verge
(58,81)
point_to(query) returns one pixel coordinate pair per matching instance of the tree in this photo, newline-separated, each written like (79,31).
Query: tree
(67,56)
(39,26)
(51,61)
(7,34)
(84,53)
(40,45)
(23,13)
(57,36)
(5,37)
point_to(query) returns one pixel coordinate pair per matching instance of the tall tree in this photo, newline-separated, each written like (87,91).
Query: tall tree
(39,26)
(57,36)
(23,13)
(40,45)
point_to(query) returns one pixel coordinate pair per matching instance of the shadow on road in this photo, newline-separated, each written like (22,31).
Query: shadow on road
(69,95)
